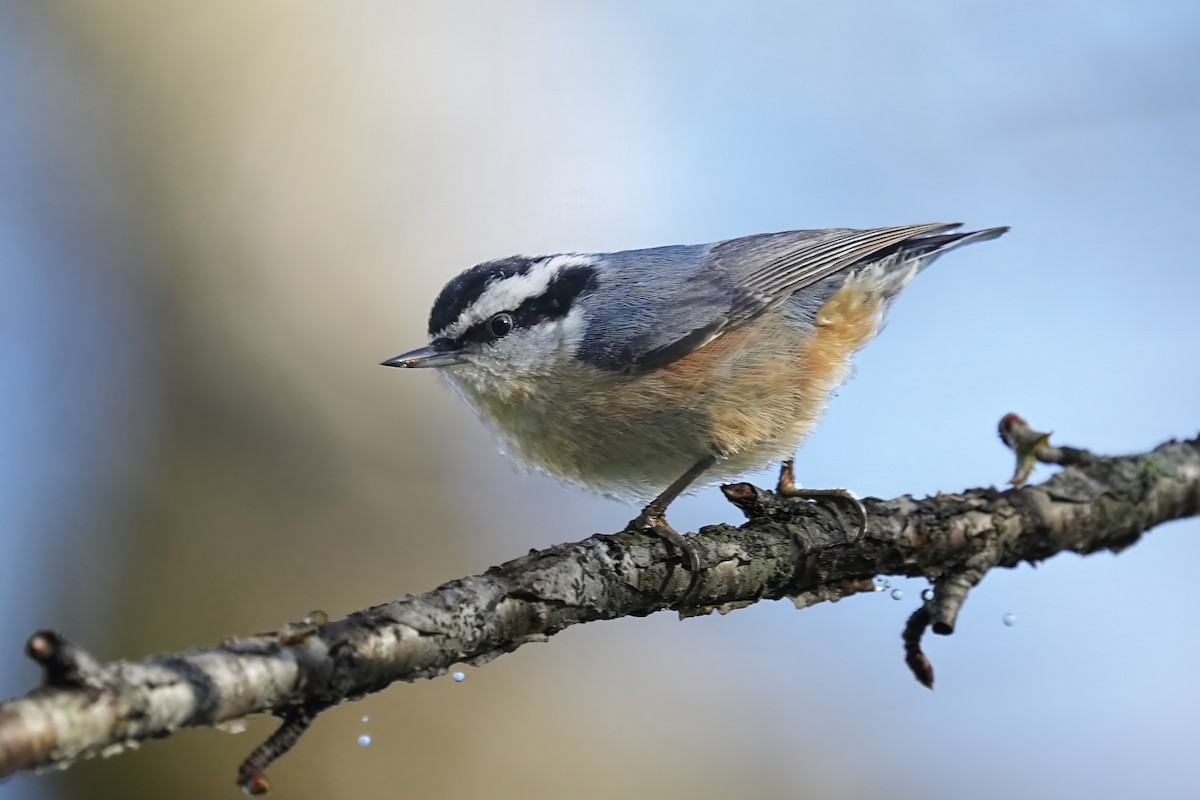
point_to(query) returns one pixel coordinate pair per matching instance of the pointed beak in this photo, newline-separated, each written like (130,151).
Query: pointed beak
(442,353)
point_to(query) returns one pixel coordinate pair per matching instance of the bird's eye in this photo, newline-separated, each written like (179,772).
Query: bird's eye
(500,325)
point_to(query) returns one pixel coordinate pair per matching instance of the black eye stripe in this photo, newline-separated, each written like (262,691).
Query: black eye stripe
(554,303)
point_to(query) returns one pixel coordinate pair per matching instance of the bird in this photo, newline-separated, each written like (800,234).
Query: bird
(644,373)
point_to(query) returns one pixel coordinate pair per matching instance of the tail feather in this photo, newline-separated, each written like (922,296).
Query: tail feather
(935,245)
(889,271)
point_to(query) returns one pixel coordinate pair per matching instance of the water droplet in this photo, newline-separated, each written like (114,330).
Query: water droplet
(897,594)
(366,718)
(1009,619)
(364,740)
(458,677)
(927,595)
(881,583)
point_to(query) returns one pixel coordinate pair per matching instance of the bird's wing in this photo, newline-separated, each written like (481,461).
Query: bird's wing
(734,282)
(805,263)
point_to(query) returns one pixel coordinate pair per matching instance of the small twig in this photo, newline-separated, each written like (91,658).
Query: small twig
(1031,446)
(252,777)
(916,660)
(64,664)
(950,590)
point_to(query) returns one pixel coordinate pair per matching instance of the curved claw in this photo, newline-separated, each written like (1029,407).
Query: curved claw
(656,523)
(653,521)
(787,488)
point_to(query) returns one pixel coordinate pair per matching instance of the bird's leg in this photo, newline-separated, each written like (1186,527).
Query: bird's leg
(653,518)
(787,488)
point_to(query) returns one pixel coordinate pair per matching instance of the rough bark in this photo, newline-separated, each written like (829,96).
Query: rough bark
(788,548)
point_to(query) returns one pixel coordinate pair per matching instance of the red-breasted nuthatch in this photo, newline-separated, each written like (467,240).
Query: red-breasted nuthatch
(637,374)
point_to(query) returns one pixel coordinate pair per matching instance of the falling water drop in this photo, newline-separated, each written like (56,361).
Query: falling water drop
(458,677)
(897,594)
(927,595)
(364,740)
(1009,619)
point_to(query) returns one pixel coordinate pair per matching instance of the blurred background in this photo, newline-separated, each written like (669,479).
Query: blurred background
(216,219)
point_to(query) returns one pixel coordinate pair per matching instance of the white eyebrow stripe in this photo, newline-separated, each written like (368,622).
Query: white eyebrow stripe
(507,294)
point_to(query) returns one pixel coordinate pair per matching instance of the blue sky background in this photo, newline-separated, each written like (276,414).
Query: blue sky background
(621,125)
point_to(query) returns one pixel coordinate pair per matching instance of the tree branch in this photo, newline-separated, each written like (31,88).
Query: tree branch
(788,548)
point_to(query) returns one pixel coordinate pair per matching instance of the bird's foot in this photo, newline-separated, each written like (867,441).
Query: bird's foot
(654,521)
(844,497)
